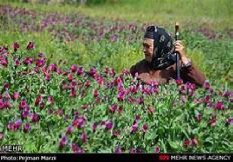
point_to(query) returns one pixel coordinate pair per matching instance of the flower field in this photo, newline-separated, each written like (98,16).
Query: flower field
(84,100)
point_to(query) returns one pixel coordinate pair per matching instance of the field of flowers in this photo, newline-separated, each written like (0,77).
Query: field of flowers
(84,100)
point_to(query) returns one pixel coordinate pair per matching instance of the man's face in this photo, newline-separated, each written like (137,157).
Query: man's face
(148,49)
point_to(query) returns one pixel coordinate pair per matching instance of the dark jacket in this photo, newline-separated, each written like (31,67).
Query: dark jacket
(147,74)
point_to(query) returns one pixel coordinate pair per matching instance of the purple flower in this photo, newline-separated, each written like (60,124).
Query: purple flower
(70,130)
(84,137)
(183,99)
(40,62)
(80,71)
(109,125)
(229,121)
(24,115)
(121,96)
(118,149)
(94,127)
(41,54)
(75,148)
(27,127)
(138,117)
(227,94)
(135,128)
(206,85)
(17,124)
(64,141)
(35,117)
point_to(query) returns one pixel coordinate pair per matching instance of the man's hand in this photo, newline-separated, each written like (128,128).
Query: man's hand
(179,47)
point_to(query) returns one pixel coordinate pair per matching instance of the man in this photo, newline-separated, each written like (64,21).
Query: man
(158,65)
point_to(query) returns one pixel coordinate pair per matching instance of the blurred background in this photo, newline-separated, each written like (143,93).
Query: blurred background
(104,33)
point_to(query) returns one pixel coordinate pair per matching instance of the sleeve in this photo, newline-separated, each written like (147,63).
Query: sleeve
(133,70)
(193,74)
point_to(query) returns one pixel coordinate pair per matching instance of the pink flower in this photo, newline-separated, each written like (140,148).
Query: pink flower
(113,108)
(206,85)
(80,71)
(17,62)
(4,62)
(179,81)
(213,121)
(207,99)
(145,127)
(1,135)
(157,149)
(188,143)
(23,104)
(31,45)
(10,125)
(220,105)
(73,93)
(96,93)
(16,46)
(74,68)
(88,83)
(120,110)
(195,141)
(199,116)
(6,85)
(51,99)
(39,99)
(106,70)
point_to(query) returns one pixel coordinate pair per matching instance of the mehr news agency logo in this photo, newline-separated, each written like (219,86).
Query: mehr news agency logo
(11,149)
